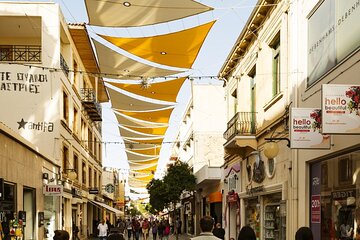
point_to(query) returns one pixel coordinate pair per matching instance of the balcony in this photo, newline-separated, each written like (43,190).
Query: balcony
(64,66)
(241,133)
(20,53)
(207,175)
(91,106)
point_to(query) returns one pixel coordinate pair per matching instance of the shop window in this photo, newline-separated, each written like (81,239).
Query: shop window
(345,170)
(232,182)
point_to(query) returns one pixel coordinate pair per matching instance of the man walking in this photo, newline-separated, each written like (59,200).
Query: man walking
(103,229)
(206,226)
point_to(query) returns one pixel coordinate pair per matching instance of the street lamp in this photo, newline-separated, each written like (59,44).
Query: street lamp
(271,148)
(71,174)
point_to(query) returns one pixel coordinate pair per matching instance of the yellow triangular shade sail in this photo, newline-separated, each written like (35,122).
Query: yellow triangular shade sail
(153,131)
(178,49)
(140,174)
(132,122)
(137,184)
(158,116)
(144,178)
(121,101)
(136,180)
(146,149)
(134,13)
(124,132)
(146,140)
(143,163)
(114,65)
(144,168)
(165,91)
(136,157)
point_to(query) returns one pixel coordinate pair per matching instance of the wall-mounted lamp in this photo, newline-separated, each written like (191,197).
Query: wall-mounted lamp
(271,148)
(71,173)
(45,176)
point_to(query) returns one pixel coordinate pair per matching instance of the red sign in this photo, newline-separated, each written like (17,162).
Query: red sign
(232,197)
(315,209)
(53,190)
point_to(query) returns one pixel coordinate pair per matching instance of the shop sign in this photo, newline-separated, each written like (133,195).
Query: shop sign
(305,129)
(53,190)
(343,195)
(109,188)
(315,209)
(232,197)
(341,109)
(93,191)
(251,191)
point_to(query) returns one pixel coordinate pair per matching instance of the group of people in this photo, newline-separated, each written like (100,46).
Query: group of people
(208,232)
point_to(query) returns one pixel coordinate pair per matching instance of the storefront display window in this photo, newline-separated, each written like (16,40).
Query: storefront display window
(274,220)
(8,216)
(252,215)
(335,197)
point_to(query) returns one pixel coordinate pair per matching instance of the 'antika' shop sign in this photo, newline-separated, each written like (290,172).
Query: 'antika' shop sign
(22,82)
(253,190)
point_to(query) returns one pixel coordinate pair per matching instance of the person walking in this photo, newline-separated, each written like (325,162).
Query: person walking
(161,227)
(145,229)
(129,228)
(61,235)
(166,231)
(219,231)
(206,227)
(304,233)
(103,230)
(247,233)
(154,229)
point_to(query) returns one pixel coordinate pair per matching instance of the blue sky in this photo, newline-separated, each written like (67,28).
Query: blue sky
(231,15)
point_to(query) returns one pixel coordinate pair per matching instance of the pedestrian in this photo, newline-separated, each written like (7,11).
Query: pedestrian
(75,231)
(219,231)
(161,227)
(61,235)
(116,236)
(154,229)
(304,233)
(129,228)
(246,233)
(166,231)
(145,229)
(206,227)
(136,229)
(103,230)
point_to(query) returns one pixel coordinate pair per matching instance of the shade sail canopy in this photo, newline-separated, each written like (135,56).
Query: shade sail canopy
(145,149)
(153,131)
(123,102)
(136,13)
(178,49)
(132,122)
(143,163)
(144,168)
(115,65)
(144,178)
(136,184)
(124,132)
(165,91)
(158,116)
(136,157)
(146,140)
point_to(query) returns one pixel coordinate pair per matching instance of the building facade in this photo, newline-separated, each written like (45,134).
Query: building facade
(43,63)
(200,145)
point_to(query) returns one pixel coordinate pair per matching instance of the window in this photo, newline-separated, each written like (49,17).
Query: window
(84,173)
(76,164)
(345,170)
(90,140)
(76,121)
(234,101)
(83,129)
(75,83)
(95,147)
(90,177)
(95,178)
(65,158)
(65,107)
(275,45)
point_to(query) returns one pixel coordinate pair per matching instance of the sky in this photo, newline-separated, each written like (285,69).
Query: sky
(230,16)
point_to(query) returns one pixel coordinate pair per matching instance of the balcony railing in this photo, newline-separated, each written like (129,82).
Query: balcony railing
(243,123)
(20,53)
(64,65)
(91,106)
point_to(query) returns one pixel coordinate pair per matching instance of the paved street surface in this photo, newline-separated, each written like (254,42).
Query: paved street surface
(172,237)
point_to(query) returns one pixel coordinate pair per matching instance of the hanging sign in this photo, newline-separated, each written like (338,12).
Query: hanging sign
(341,109)
(305,129)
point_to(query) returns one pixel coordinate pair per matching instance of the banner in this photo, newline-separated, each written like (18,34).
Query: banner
(340,109)
(305,129)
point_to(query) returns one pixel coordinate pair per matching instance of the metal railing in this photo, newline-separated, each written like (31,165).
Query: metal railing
(64,65)
(88,98)
(243,123)
(20,53)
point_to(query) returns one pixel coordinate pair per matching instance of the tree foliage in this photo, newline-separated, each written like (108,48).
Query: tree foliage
(178,178)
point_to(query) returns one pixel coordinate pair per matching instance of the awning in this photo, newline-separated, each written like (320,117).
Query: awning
(107,207)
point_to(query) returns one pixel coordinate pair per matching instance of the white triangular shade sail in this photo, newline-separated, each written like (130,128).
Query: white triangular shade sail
(114,65)
(124,102)
(164,91)
(133,122)
(143,163)
(134,13)
(153,131)
(125,132)
(136,184)
(145,149)
(136,157)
